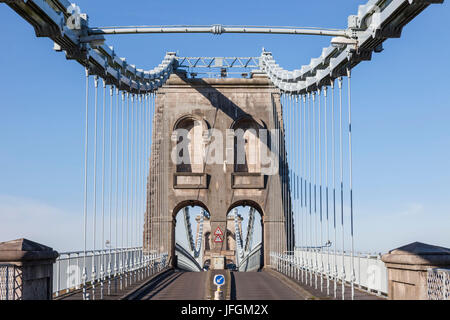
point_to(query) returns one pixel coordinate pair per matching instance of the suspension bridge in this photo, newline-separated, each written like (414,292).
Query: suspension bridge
(262,153)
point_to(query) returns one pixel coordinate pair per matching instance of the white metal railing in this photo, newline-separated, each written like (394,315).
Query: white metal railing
(126,264)
(322,270)
(438,283)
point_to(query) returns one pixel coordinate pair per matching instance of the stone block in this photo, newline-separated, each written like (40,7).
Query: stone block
(31,265)
(407,269)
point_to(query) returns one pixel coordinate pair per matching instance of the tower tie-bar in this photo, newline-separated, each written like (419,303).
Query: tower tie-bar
(220,29)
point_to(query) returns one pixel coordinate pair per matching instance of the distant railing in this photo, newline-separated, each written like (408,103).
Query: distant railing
(438,281)
(252,260)
(370,271)
(185,260)
(108,264)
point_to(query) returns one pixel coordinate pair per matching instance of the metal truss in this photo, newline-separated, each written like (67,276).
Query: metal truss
(217,62)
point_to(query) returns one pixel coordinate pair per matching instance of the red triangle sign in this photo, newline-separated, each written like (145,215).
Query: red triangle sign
(218,232)
(218,239)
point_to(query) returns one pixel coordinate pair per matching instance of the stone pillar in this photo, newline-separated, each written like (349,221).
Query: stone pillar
(407,269)
(29,268)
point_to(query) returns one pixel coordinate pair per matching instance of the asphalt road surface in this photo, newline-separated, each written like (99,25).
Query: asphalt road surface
(260,286)
(179,285)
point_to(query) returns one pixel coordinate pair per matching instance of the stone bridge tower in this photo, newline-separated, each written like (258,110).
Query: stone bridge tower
(219,185)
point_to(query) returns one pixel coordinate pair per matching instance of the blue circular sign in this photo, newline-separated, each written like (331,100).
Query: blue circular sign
(219,279)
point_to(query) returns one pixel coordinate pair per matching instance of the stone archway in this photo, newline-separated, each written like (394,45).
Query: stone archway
(191,222)
(250,226)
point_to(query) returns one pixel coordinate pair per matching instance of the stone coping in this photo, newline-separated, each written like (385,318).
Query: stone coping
(418,253)
(176,80)
(24,250)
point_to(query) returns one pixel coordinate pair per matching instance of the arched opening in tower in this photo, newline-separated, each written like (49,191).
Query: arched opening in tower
(192,238)
(244,239)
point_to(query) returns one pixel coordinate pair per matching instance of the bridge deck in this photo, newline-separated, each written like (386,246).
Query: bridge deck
(261,286)
(184,285)
(179,285)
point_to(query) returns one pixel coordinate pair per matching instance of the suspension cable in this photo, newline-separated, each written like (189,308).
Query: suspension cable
(142,160)
(131,172)
(111,93)
(122,262)
(302,186)
(145,168)
(298,184)
(310,187)
(278,124)
(127,185)
(288,181)
(136,169)
(152,169)
(283,235)
(325,92)
(145,149)
(86,142)
(333,151)
(316,262)
(351,181)
(291,182)
(139,175)
(116,263)
(150,178)
(138,102)
(342,184)
(102,270)
(158,164)
(136,180)
(294,177)
(95,189)
(319,97)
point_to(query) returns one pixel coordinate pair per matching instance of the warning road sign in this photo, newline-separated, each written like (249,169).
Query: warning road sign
(218,232)
(218,239)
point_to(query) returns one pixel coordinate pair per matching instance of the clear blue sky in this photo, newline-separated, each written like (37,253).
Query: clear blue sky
(400,117)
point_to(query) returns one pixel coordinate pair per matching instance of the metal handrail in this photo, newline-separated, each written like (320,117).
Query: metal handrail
(67,268)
